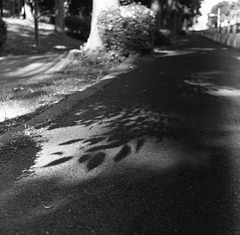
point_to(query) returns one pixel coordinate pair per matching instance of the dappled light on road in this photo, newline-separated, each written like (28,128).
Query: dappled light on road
(88,147)
(156,149)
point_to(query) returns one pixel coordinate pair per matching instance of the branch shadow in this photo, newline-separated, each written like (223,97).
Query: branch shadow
(143,113)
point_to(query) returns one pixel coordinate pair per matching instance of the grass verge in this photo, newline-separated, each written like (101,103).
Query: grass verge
(21,101)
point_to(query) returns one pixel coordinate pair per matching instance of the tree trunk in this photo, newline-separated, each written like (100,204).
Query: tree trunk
(94,41)
(1,8)
(59,16)
(36,22)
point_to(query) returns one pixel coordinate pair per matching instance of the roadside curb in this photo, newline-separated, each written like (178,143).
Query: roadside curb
(65,105)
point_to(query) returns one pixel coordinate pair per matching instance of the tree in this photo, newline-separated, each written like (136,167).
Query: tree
(174,13)
(36,22)
(235,11)
(228,11)
(224,6)
(1,8)
(94,40)
(59,16)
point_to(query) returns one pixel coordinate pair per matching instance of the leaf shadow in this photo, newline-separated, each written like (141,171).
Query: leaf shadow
(130,113)
(59,161)
(96,161)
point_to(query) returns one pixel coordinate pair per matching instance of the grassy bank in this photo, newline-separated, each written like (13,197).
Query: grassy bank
(19,101)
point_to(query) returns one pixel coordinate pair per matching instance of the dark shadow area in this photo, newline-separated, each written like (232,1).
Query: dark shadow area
(84,158)
(71,141)
(15,157)
(81,37)
(124,152)
(58,161)
(184,201)
(96,160)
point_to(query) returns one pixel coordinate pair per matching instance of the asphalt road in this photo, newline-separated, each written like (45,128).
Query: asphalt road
(154,152)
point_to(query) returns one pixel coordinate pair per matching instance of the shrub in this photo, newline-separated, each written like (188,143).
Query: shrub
(3,32)
(128,28)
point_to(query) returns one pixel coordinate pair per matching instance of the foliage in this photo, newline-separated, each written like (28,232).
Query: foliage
(83,7)
(46,6)
(127,28)
(3,32)
(192,5)
(78,25)
(228,11)
(224,6)
(160,39)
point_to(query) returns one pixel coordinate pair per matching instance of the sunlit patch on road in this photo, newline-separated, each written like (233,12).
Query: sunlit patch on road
(165,53)
(205,79)
(205,75)
(226,92)
(13,109)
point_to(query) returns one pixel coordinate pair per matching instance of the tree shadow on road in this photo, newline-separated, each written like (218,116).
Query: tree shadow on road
(187,199)
(128,117)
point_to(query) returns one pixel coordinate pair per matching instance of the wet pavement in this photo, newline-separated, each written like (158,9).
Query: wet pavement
(156,151)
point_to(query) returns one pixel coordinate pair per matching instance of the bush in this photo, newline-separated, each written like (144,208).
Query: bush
(3,32)
(77,25)
(128,28)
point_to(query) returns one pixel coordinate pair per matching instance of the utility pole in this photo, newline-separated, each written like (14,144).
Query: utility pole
(36,22)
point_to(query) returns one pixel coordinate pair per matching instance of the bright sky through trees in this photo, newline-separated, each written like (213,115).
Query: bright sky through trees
(205,9)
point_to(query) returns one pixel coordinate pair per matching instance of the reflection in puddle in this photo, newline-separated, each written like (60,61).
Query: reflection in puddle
(227,92)
(201,49)
(205,75)
(202,78)
(165,53)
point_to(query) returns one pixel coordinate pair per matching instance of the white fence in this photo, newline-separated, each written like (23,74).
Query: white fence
(229,35)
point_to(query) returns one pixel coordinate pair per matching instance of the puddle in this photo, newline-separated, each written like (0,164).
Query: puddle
(166,53)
